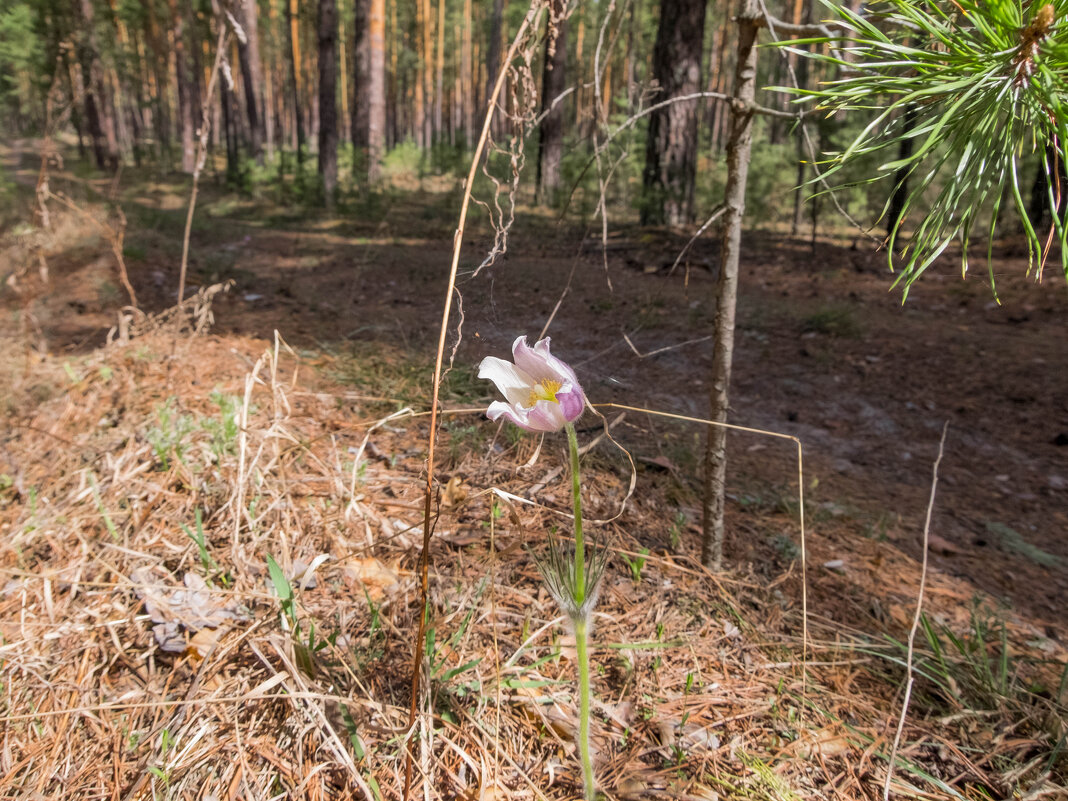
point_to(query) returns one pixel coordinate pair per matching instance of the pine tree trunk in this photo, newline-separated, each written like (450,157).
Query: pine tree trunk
(553,83)
(344,55)
(493,59)
(376,108)
(428,73)
(228,104)
(76,102)
(328,100)
(802,15)
(186,126)
(439,76)
(418,101)
(294,90)
(739,151)
(248,52)
(161,115)
(361,74)
(671,152)
(467,102)
(101,125)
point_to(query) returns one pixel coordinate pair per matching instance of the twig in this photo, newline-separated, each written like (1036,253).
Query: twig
(916,618)
(202,150)
(704,227)
(664,349)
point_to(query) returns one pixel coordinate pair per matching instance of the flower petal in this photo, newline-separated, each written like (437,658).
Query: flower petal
(572,404)
(499,409)
(515,384)
(545,416)
(541,364)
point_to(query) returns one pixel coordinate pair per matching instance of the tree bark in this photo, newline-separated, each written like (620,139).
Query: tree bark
(328,100)
(493,59)
(186,125)
(98,119)
(439,78)
(467,101)
(901,179)
(419,102)
(291,57)
(248,53)
(671,152)
(801,17)
(361,74)
(739,150)
(376,118)
(553,83)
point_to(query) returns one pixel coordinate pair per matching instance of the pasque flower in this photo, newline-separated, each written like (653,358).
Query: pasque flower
(543,395)
(542,392)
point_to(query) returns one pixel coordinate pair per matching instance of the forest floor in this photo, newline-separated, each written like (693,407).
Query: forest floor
(118,457)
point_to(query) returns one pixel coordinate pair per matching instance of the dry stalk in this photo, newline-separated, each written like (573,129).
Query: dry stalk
(202,148)
(424,560)
(915,619)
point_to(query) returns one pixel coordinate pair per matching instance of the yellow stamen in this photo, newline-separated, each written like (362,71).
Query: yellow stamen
(544,390)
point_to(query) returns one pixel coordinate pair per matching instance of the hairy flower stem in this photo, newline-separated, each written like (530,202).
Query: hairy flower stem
(581,622)
(581,632)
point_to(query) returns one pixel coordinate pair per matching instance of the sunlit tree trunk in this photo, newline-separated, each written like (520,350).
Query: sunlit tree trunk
(418,98)
(739,150)
(579,75)
(345,117)
(292,38)
(328,99)
(376,118)
(553,83)
(671,151)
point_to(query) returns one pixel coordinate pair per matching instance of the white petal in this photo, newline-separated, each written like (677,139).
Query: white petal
(514,383)
(560,369)
(499,409)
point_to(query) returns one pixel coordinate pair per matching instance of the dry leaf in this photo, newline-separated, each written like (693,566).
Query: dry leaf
(454,492)
(376,577)
(193,607)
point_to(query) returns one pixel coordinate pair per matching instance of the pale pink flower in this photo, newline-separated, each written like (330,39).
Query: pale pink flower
(541,392)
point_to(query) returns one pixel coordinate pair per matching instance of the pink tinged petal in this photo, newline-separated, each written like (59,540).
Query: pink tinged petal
(545,416)
(526,359)
(514,383)
(561,370)
(572,404)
